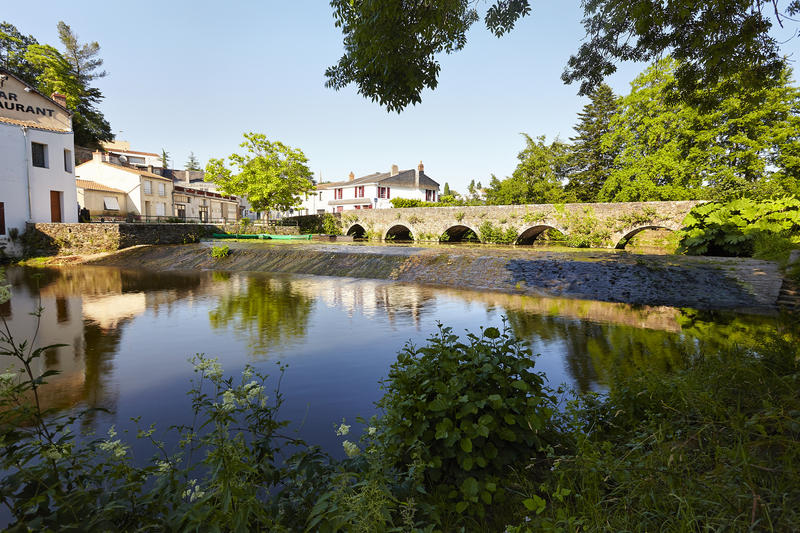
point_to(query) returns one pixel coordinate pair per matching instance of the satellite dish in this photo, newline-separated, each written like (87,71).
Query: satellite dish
(123,158)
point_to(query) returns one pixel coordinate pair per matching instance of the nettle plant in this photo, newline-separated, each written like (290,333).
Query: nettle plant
(466,411)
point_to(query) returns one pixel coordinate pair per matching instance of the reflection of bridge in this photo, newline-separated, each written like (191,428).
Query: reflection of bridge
(613,224)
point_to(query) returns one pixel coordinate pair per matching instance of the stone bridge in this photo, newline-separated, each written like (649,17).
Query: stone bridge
(608,225)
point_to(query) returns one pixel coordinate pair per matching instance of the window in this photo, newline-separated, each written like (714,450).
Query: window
(133,160)
(384,192)
(110,203)
(161,209)
(360,192)
(162,189)
(430,196)
(67,161)
(358,207)
(148,187)
(203,209)
(39,157)
(337,194)
(2,218)
(180,211)
(320,197)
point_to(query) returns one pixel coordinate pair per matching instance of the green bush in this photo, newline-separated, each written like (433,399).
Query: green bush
(491,234)
(220,252)
(467,411)
(742,227)
(712,446)
(331,225)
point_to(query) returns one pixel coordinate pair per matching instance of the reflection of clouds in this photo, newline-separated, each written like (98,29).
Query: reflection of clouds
(109,311)
(370,298)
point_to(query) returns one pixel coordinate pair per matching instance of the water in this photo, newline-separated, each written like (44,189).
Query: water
(128,334)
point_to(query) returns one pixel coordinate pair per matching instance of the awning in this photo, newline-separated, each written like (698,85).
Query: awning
(110,203)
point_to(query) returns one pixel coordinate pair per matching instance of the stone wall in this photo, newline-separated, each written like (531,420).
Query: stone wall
(66,239)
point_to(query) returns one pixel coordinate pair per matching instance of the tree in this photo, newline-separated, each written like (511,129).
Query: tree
(192,163)
(673,150)
(471,188)
(591,160)
(538,178)
(70,74)
(83,57)
(164,158)
(446,191)
(270,174)
(714,40)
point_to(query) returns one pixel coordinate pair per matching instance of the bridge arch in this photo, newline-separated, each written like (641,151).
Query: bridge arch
(399,232)
(529,235)
(357,231)
(628,235)
(460,233)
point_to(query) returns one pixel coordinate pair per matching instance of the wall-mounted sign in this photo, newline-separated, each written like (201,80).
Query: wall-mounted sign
(19,102)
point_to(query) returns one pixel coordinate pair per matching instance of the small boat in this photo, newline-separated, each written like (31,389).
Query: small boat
(263,236)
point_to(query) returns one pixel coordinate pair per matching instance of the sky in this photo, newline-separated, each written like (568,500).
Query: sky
(194,76)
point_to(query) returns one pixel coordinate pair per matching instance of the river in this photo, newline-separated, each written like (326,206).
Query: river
(128,335)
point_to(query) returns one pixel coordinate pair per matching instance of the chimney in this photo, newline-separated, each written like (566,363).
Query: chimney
(97,156)
(59,98)
(150,168)
(395,170)
(352,176)
(420,169)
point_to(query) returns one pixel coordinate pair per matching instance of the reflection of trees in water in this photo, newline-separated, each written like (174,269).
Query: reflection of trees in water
(268,311)
(597,353)
(100,345)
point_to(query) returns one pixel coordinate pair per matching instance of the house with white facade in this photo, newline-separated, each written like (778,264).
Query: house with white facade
(374,191)
(203,205)
(37,179)
(148,195)
(120,152)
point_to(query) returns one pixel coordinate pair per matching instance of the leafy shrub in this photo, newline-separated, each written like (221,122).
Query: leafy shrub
(491,234)
(734,228)
(692,449)
(220,252)
(466,412)
(330,225)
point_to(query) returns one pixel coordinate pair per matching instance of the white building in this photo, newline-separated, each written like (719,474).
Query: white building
(120,152)
(374,191)
(37,180)
(149,196)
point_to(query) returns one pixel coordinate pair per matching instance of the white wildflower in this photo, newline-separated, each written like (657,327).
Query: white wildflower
(350,448)
(228,400)
(164,466)
(53,452)
(372,430)
(344,429)
(193,492)
(248,373)
(253,390)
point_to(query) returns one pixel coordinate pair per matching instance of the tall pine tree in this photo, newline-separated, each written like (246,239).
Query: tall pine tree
(591,159)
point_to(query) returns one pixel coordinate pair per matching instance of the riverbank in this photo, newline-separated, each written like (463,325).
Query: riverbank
(678,281)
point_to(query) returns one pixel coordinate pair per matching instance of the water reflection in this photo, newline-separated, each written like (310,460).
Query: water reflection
(128,333)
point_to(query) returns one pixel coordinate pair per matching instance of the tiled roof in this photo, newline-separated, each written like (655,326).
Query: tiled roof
(118,151)
(404,177)
(94,186)
(136,171)
(29,124)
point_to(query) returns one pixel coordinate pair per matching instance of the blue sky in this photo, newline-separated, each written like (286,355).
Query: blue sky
(193,76)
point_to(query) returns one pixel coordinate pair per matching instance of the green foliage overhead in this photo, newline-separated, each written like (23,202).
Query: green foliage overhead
(674,151)
(269,174)
(467,411)
(69,73)
(392,47)
(737,228)
(717,42)
(538,178)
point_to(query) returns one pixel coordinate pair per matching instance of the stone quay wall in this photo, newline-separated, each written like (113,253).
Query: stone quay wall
(68,239)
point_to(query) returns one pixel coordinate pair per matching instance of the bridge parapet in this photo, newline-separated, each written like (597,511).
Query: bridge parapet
(600,224)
